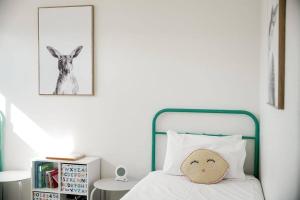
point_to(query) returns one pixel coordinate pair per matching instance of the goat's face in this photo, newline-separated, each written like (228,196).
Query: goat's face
(65,62)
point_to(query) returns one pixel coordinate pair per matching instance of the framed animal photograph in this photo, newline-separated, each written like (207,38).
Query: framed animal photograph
(276,53)
(66,50)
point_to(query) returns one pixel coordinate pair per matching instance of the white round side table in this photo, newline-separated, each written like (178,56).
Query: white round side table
(110,184)
(14,176)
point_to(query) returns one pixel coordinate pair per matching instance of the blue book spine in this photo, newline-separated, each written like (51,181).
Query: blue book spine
(40,176)
(36,168)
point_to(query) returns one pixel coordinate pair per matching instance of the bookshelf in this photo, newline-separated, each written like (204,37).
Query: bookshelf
(74,178)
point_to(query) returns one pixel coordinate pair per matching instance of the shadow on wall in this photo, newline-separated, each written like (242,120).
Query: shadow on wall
(37,138)
(20,126)
(32,135)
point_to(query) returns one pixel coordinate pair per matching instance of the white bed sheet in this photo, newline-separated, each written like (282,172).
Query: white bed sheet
(160,186)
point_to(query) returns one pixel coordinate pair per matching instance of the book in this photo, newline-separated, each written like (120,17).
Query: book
(41,176)
(36,169)
(45,167)
(48,179)
(54,178)
(69,157)
(51,178)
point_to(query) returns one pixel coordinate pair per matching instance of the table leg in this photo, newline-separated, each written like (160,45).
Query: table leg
(20,190)
(92,193)
(2,191)
(104,195)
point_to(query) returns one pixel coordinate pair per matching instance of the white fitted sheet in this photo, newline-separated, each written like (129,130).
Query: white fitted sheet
(160,186)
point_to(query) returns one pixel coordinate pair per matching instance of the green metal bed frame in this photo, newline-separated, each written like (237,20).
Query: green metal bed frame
(209,111)
(2,120)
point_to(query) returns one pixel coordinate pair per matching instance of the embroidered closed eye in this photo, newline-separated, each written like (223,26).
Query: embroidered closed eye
(211,160)
(194,161)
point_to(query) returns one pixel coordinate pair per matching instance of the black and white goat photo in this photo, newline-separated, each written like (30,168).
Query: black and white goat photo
(66,51)
(66,81)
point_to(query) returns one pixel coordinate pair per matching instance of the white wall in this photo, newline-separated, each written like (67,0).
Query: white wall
(280,138)
(148,55)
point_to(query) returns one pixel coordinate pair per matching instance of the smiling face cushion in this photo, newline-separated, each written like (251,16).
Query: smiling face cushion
(204,166)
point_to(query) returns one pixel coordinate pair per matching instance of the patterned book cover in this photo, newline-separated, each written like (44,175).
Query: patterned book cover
(74,179)
(45,196)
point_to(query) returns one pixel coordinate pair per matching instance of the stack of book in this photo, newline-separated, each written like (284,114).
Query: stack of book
(46,175)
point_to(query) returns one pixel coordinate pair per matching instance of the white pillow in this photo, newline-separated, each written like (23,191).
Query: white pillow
(231,148)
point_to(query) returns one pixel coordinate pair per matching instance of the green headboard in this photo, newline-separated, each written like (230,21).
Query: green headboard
(255,137)
(1,139)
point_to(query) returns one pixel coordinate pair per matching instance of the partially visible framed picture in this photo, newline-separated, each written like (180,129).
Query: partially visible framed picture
(66,50)
(276,53)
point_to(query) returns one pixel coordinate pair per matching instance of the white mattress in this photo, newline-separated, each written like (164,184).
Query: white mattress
(160,186)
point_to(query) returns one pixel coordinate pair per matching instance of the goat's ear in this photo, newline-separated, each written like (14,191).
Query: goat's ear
(53,52)
(76,51)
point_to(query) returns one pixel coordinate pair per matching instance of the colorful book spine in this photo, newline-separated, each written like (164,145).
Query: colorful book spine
(54,178)
(43,174)
(45,167)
